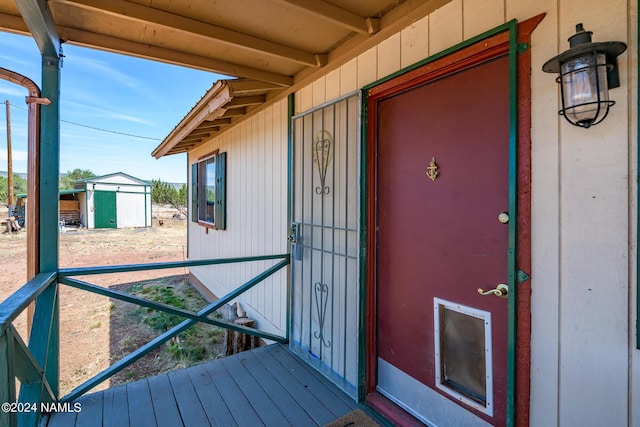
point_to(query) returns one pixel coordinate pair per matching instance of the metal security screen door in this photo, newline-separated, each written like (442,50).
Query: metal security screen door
(324,312)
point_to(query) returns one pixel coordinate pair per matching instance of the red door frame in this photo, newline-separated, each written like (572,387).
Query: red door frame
(464,57)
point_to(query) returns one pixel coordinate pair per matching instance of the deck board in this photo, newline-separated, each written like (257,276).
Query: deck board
(338,403)
(299,390)
(268,386)
(280,396)
(140,405)
(164,401)
(91,409)
(115,407)
(187,400)
(242,411)
(217,411)
(265,408)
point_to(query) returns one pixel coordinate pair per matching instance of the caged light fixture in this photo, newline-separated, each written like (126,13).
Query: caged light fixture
(586,71)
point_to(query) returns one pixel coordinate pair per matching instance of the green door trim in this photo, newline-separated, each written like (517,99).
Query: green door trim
(514,50)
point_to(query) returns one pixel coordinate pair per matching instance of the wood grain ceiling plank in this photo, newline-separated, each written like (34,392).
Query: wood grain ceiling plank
(146,51)
(197,29)
(336,15)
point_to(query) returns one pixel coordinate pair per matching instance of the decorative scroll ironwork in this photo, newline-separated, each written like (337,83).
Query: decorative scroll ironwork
(432,170)
(322,298)
(322,153)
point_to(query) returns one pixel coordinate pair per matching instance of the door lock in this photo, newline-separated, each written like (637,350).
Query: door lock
(293,236)
(502,291)
(503,217)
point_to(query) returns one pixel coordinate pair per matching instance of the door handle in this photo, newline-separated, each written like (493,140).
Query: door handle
(502,291)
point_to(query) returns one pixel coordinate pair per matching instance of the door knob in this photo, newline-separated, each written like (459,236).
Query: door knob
(501,291)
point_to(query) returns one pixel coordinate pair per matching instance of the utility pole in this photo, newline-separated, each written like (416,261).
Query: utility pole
(9,162)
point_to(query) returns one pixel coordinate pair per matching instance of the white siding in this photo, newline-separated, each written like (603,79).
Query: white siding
(133,203)
(133,209)
(256,215)
(585,369)
(91,219)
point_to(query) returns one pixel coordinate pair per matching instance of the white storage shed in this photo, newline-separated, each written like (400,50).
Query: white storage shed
(116,200)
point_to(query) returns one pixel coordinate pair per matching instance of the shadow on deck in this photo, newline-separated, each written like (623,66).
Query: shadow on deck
(267,386)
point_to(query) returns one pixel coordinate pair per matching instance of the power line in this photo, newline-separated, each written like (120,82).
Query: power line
(99,129)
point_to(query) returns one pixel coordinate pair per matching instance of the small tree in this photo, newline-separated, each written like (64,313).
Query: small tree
(67,180)
(166,194)
(19,186)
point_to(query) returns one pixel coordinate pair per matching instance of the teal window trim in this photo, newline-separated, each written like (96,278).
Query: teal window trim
(209,192)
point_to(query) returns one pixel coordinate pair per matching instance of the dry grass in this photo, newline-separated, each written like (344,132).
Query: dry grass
(94,330)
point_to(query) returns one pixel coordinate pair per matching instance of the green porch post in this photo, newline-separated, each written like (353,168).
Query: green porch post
(49,207)
(49,164)
(44,339)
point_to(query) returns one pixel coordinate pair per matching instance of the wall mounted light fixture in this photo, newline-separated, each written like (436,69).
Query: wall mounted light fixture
(586,71)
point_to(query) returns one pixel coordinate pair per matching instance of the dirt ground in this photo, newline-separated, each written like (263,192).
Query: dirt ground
(86,328)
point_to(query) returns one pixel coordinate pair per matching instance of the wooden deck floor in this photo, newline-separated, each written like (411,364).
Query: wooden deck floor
(268,386)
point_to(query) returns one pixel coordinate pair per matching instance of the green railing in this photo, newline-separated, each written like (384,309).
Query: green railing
(29,374)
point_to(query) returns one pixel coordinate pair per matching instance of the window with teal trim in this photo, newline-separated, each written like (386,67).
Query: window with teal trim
(208,191)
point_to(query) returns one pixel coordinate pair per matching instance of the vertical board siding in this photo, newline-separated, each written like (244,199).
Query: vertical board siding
(367,69)
(349,77)
(584,365)
(415,42)
(594,249)
(332,87)
(445,27)
(389,56)
(482,15)
(130,210)
(256,211)
(634,157)
(545,217)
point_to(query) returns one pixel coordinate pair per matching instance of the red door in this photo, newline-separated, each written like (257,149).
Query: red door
(442,184)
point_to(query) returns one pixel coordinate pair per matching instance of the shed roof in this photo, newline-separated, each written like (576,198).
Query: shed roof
(117,177)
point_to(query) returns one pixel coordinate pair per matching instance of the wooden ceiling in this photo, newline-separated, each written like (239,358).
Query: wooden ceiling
(285,44)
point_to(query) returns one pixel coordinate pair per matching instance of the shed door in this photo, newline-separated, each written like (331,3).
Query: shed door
(104,204)
(442,183)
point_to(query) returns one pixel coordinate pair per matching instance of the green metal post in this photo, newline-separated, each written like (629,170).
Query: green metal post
(7,382)
(362,313)
(513,232)
(49,164)
(290,113)
(49,206)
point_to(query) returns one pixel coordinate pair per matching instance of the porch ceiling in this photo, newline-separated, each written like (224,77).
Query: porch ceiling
(283,43)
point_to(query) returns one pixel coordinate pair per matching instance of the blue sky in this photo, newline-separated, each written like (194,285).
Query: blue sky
(107,91)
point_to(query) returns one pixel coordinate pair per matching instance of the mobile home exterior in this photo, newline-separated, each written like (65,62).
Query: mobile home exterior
(459,253)
(386,263)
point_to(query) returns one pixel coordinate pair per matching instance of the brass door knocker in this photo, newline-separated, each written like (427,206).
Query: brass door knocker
(432,170)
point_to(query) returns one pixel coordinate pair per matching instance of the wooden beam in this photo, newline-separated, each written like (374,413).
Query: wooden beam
(248,86)
(37,16)
(150,15)
(146,51)
(334,14)
(112,44)
(392,22)
(245,100)
(235,112)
